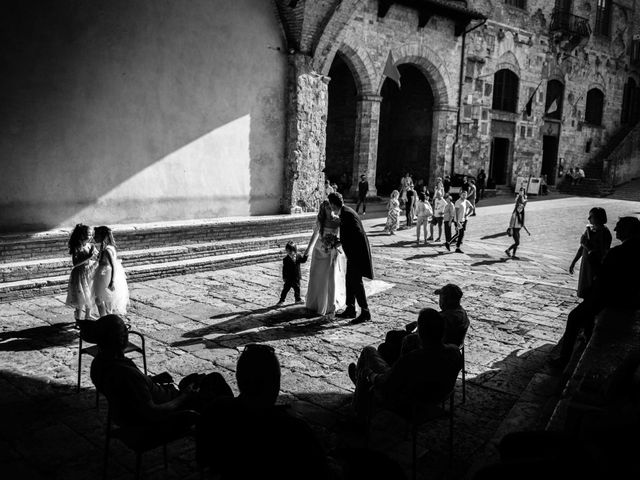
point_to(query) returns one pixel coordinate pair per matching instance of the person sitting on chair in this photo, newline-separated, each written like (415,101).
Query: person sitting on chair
(139,399)
(250,436)
(428,372)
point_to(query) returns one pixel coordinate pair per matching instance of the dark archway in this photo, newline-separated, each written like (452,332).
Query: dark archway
(406,121)
(341,124)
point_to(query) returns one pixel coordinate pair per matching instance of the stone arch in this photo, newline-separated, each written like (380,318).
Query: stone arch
(359,70)
(509,61)
(431,66)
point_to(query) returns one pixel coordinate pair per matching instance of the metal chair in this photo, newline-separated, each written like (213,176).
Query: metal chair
(87,336)
(464,374)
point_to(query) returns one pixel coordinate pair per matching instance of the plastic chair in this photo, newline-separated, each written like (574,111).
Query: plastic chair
(464,374)
(86,336)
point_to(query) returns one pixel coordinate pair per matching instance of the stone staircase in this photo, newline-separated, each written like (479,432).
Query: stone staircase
(38,263)
(588,187)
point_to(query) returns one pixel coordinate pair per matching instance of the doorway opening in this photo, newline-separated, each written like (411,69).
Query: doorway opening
(341,125)
(499,160)
(406,122)
(550,158)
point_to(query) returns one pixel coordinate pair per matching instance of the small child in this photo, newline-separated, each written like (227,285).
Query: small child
(291,272)
(110,284)
(393,219)
(79,292)
(423,212)
(448,217)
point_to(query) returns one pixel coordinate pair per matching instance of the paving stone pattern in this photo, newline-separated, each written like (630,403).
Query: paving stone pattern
(200,322)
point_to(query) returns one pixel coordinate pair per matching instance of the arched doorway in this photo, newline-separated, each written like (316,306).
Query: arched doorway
(406,121)
(341,124)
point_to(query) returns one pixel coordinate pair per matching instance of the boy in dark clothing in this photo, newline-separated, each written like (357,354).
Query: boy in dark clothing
(291,272)
(363,189)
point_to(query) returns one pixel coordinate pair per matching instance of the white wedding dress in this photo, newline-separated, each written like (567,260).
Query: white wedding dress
(327,289)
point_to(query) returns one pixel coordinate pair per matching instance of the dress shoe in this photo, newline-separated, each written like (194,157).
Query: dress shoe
(349,312)
(352,372)
(459,251)
(363,317)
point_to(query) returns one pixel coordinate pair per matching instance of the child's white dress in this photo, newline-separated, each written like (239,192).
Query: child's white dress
(80,288)
(116,300)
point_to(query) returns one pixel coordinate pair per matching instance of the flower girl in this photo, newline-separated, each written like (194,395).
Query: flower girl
(110,283)
(79,292)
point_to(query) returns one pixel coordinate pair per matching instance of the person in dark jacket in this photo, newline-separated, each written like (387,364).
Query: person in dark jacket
(356,247)
(363,189)
(291,272)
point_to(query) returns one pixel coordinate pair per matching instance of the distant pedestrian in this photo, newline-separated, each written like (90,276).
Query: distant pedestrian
(405,183)
(463,210)
(448,217)
(472,196)
(481,184)
(363,189)
(410,205)
(423,212)
(439,205)
(393,213)
(516,223)
(291,272)
(446,183)
(439,187)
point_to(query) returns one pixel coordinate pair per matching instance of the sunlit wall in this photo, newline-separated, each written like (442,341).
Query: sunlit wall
(126,111)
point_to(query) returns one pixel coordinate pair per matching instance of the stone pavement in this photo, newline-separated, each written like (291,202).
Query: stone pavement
(201,322)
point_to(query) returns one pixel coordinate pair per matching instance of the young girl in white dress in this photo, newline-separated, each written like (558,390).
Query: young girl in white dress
(393,219)
(79,291)
(327,289)
(110,283)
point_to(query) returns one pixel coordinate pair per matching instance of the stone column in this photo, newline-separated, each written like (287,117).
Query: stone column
(442,137)
(366,142)
(305,151)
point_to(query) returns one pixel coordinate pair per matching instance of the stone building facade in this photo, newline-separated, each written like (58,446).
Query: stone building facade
(518,88)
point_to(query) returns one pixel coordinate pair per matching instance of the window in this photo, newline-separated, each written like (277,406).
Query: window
(553,103)
(505,91)
(630,102)
(603,17)
(593,111)
(517,3)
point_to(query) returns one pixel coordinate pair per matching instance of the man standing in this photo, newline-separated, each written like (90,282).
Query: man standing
(363,189)
(463,210)
(356,248)
(482,184)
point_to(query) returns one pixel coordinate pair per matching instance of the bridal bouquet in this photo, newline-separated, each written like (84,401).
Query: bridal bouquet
(330,242)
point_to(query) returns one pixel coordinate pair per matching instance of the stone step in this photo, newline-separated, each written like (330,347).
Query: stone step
(57,284)
(25,246)
(53,267)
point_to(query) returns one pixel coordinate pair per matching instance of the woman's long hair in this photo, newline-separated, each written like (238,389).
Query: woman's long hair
(78,235)
(105,234)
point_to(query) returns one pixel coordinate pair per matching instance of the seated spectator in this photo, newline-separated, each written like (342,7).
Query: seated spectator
(137,399)
(579,175)
(249,436)
(399,342)
(427,373)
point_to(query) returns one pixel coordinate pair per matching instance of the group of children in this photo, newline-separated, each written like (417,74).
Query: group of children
(441,212)
(97,279)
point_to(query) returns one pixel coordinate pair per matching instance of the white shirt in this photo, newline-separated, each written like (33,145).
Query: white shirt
(463,207)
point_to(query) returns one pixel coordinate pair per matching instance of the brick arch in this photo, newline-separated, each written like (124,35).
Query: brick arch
(357,64)
(431,66)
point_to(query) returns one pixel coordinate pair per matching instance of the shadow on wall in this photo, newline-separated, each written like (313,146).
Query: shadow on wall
(123,112)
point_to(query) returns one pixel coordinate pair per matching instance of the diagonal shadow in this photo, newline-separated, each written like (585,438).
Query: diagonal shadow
(428,255)
(494,235)
(35,338)
(400,243)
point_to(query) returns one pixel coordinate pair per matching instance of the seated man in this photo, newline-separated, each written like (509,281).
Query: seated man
(428,373)
(249,436)
(137,399)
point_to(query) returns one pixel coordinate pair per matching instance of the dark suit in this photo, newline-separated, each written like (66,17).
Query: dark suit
(356,248)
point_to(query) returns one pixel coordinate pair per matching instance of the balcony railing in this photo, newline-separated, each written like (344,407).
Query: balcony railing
(567,22)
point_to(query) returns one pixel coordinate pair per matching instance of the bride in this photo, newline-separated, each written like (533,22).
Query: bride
(326,291)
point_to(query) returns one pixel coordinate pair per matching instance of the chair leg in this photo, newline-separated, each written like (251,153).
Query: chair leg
(79,365)
(464,375)
(144,355)
(164,454)
(138,464)
(414,453)
(451,415)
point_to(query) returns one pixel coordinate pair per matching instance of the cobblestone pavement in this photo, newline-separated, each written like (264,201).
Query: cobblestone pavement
(200,322)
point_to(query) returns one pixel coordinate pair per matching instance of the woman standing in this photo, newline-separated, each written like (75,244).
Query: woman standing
(594,245)
(393,213)
(516,222)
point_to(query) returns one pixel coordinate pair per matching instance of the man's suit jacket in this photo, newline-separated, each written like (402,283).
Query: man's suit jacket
(354,242)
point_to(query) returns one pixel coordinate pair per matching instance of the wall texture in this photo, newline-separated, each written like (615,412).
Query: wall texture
(123,112)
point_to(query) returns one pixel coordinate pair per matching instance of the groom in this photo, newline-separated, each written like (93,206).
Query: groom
(356,248)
